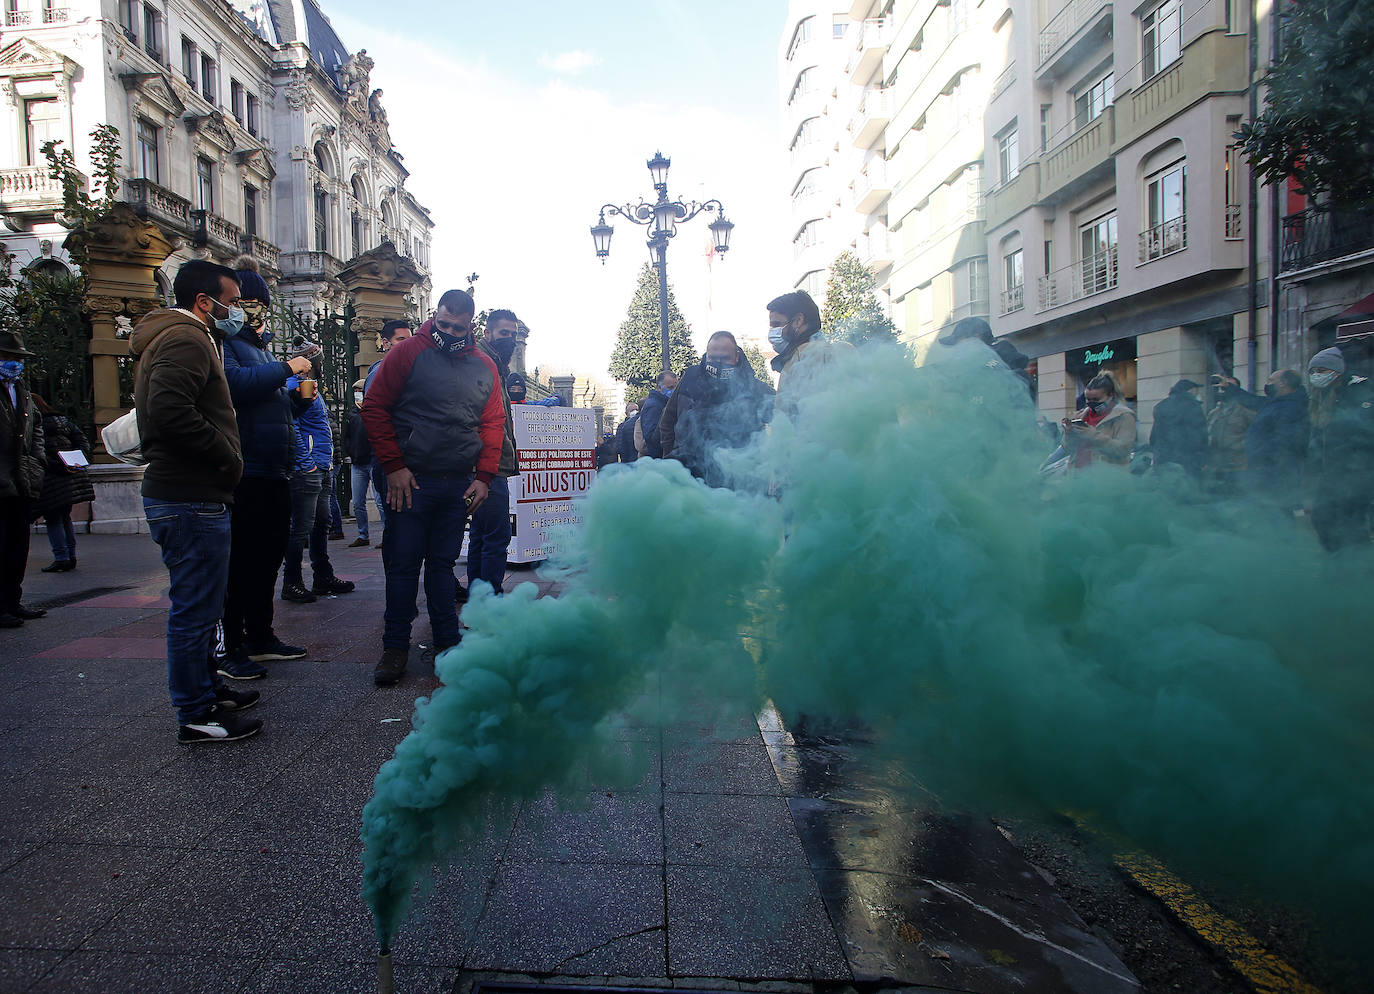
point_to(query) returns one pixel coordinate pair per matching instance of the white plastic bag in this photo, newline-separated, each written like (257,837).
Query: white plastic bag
(122,440)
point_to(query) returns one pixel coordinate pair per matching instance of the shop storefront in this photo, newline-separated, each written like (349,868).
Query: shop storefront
(1117,357)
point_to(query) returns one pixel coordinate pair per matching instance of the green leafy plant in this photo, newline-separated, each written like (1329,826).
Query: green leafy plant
(852,312)
(81,207)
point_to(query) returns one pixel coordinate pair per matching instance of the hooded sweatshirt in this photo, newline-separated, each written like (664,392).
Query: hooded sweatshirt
(185,414)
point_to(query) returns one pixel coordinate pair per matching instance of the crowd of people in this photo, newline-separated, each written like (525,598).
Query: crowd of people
(240,462)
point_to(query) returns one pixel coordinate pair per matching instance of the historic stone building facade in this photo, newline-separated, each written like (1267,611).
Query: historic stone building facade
(245,127)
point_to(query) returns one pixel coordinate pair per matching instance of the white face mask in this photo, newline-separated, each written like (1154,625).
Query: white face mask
(1322,380)
(357,398)
(777,337)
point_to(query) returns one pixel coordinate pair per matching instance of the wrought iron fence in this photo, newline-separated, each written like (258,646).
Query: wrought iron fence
(1319,234)
(333,332)
(49,311)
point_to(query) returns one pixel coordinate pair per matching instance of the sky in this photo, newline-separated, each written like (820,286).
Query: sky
(518,123)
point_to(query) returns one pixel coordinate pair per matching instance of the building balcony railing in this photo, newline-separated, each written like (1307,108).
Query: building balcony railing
(18,18)
(1098,273)
(30,190)
(211,230)
(1235,228)
(56,15)
(160,205)
(310,265)
(1164,239)
(1013,299)
(1320,234)
(1212,63)
(264,251)
(871,187)
(875,248)
(870,120)
(1004,80)
(1009,198)
(874,37)
(1069,26)
(1079,159)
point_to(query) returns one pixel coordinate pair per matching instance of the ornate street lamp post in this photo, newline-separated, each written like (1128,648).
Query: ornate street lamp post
(662,218)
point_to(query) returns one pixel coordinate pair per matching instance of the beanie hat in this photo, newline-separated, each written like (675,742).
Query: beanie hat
(515,380)
(305,349)
(1183,386)
(1328,359)
(251,284)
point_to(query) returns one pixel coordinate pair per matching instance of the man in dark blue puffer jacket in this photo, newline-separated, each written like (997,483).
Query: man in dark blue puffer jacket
(262,500)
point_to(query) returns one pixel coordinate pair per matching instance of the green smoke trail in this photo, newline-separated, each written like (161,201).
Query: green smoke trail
(1190,674)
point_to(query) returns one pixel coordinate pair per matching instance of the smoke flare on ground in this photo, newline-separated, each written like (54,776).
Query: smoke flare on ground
(1185,672)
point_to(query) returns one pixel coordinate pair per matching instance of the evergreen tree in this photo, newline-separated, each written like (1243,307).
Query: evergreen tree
(852,312)
(1319,108)
(638,354)
(760,364)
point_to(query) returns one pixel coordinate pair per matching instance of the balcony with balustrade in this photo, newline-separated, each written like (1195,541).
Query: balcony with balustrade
(264,251)
(1009,198)
(872,41)
(869,122)
(1080,160)
(30,190)
(161,206)
(214,232)
(1323,234)
(1096,274)
(1071,33)
(1212,63)
(1012,300)
(876,249)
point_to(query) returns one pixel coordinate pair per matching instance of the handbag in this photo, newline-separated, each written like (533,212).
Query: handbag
(123,441)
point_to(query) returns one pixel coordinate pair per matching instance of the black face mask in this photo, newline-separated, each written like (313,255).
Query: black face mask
(1098,406)
(717,370)
(1270,390)
(504,348)
(517,396)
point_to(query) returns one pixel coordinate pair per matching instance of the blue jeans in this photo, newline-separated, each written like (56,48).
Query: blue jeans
(309,526)
(194,537)
(489,536)
(362,479)
(61,534)
(429,532)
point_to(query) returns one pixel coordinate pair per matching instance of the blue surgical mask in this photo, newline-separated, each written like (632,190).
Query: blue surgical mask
(1322,380)
(232,324)
(11,369)
(777,337)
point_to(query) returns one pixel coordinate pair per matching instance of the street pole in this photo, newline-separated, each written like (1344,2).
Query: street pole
(663,300)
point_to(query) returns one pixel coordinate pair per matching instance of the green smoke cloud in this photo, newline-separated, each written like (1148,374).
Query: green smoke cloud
(1188,673)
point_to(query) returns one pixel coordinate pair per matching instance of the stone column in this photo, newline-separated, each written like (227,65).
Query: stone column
(600,421)
(377,282)
(563,386)
(1164,358)
(123,252)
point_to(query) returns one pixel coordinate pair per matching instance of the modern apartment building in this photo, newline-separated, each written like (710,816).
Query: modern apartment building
(819,104)
(246,127)
(1119,226)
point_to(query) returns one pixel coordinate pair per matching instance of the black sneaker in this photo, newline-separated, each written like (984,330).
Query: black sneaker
(237,666)
(460,593)
(296,592)
(326,585)
(230,699)
(392,667)
(273,649)
(218,725)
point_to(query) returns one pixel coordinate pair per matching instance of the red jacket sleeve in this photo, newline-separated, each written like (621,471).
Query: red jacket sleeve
(492,429)
(381,397)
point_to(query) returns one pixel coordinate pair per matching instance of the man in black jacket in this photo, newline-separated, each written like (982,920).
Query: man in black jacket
(1179,434)
(718,404)
(652,411)
(625,435)
(21,477)
(360,461)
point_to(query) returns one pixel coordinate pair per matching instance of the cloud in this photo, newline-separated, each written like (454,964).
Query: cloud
(570,63)
(515,174)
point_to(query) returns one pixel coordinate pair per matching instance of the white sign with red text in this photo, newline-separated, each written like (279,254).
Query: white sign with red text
(556,447)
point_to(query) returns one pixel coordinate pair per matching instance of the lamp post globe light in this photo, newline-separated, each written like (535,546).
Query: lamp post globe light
(661,218)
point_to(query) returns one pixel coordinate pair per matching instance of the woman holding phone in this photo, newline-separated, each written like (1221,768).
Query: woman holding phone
(1104,429)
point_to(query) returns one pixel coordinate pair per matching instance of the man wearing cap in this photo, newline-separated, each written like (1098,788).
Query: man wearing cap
(262,499)
(22,461)
(311,486)
(1179,433)
(1341,459)
(437,422)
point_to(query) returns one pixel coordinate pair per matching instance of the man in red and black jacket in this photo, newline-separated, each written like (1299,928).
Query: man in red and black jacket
(436,420)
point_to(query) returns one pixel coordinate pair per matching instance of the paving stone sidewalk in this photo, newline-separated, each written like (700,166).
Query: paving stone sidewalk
(742,855)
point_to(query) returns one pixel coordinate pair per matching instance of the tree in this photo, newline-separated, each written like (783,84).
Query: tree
(80,209)
(852,312)
(638,354)
(1318,121)
(760,364)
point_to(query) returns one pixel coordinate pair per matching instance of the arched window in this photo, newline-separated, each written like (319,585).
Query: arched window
(388,221)
(359,194)
(323,159)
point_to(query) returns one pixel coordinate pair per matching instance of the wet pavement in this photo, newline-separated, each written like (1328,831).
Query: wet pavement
(742,854)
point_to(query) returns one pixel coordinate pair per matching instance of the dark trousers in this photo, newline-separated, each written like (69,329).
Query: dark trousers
(489,536)
(261,521)
(379,489)
(309,526)
(428,533)
(14,550)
